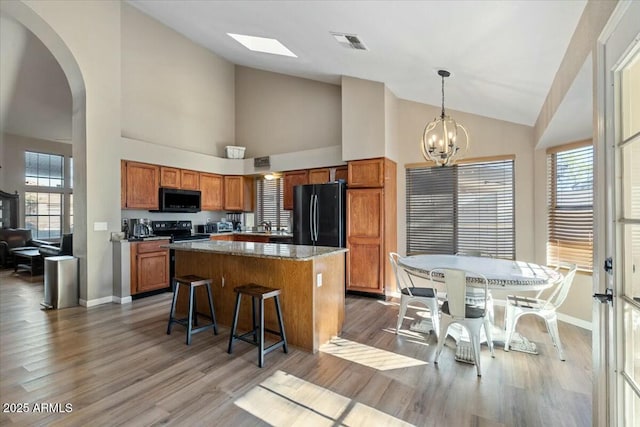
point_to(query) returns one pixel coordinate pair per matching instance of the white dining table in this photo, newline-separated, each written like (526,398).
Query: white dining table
(501,274)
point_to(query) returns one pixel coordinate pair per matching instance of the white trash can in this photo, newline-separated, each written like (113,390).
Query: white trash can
(60,282)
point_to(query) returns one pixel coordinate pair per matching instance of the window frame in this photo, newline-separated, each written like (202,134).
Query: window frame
(553,252)
(282,216)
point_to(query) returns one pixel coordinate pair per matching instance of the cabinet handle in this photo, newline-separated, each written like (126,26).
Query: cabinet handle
(223,281)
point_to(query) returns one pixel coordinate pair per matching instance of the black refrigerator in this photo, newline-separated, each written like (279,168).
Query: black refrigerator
(319,214)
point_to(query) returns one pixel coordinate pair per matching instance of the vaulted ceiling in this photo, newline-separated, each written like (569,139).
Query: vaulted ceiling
(503,55)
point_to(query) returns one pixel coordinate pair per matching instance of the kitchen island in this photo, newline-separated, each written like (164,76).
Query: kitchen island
(312,280)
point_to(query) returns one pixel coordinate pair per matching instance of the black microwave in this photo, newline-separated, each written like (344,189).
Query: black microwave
(174,200)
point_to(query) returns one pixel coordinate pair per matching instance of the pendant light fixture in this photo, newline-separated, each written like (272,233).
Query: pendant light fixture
(441,141)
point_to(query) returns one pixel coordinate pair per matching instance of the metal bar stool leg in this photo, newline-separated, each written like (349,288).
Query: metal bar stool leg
(253,318)
(190,317)
(234,324)
(261,336)
(172,312)
(276,299)
(213,313)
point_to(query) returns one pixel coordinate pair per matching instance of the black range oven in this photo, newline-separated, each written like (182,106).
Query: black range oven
(178,231)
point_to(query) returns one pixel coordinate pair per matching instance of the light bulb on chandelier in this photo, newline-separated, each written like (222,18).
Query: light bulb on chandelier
(440,137)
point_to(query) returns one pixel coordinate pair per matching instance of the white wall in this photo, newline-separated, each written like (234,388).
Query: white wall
(174,92)
(278,114)
(363,119)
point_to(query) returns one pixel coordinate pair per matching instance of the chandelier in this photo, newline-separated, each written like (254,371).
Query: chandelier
(440,142)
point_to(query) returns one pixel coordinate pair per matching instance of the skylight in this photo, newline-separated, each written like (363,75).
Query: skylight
(262,44)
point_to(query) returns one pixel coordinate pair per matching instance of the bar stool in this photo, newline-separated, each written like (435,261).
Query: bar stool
(192,282)
(258,293)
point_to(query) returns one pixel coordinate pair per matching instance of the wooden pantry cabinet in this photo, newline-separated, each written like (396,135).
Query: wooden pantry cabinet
(149,266)
(212,192)
(238,193)
(139,183)
(371,225)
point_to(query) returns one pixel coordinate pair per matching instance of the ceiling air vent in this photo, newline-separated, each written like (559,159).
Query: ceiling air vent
(350,41)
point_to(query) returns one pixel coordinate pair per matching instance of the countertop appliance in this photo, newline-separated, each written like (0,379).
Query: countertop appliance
(215,227)
(139,228)
(178,231)
(174,200)
(319,214)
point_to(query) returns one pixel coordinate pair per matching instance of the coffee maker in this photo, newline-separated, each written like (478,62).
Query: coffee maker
(139,228)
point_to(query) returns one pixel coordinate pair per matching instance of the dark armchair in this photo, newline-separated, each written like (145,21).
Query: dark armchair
(13,239)
(65,248)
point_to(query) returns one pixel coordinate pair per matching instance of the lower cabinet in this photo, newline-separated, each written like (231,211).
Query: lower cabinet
(228,237)
(149,266)
(251,238)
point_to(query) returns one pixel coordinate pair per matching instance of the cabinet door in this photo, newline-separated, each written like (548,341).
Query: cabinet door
(238,193)
(169,177)
(366,173)
(291,179)
(212,189)
(189,180)
(342,172)
(153,271)
(365,233)
(319,176)
(142,183)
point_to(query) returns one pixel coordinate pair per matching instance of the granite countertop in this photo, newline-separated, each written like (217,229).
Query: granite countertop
(259,250)
(270,234)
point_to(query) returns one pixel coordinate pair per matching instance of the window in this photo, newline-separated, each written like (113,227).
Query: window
(570,205)
(48,196)
(269,203)
(463,208)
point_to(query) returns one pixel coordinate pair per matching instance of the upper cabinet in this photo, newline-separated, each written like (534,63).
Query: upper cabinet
(319,176)
(169,177)
(139,185)
(342,172)
(189,180)
(366,173)
(238,193)
(212,190)
(291,179)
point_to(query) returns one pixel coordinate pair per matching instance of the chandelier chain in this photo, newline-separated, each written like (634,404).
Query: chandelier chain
(442,114)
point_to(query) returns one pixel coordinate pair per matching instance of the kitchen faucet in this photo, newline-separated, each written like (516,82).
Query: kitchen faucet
(267,225)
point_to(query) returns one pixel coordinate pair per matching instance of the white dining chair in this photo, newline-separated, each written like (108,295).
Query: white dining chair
(475,295)
(518,306)
(409,293)
(456,309)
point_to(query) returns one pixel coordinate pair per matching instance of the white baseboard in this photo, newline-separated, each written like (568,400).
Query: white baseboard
(125,300)
(97,301)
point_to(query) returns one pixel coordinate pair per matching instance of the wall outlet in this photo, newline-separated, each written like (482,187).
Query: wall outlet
(319,279)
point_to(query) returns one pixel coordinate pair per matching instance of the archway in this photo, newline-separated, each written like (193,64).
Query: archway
(34,23)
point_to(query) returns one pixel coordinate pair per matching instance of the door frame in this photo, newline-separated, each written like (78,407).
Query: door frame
(617,38)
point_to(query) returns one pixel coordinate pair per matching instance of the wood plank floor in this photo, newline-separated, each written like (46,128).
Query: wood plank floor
(115,365)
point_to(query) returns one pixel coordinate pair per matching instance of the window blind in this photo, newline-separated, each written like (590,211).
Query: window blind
(570,207)
(463,208)
(269,203)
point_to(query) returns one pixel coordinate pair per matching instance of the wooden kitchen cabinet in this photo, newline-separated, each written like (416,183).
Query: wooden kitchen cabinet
(212,192)
(149,266)
(366,173)
(238,193)
(169,177)
(139,185)
(291,179)
(371,226)
(319,176)
(227,237)
(189,180)
(251,238)
(342,172)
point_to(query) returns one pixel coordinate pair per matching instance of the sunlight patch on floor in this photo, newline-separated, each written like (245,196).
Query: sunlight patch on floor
(372,357)
(286,400)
